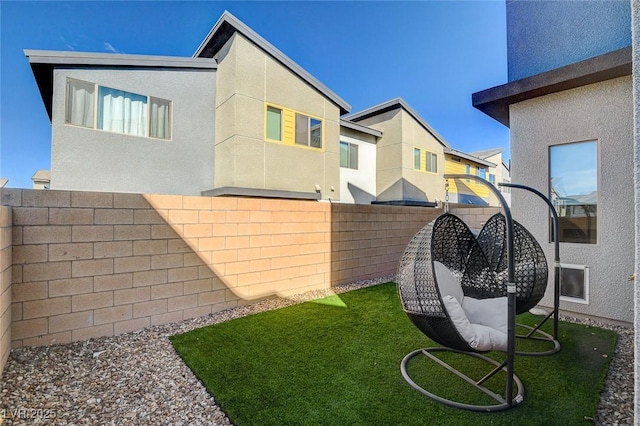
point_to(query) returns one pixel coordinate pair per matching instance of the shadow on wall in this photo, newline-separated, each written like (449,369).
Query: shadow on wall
(466,195)
(360,196)
(403,190)
(96,264)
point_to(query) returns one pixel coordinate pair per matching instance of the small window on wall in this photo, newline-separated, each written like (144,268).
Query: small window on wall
(574,283)
(80,104)
(416,159)
(432,162)
(348,155)
(274,123)
(573,187)
(308,131)
(482,172)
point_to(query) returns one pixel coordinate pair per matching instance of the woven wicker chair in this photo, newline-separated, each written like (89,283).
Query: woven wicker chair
(480,264)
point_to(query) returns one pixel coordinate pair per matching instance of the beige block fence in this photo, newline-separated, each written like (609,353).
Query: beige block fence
(78,265)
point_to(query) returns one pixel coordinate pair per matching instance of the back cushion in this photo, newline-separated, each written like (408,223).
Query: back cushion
(448,284)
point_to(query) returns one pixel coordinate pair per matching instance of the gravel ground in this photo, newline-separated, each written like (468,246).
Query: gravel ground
(138,378)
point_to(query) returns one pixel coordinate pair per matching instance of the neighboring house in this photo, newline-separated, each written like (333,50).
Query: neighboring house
(41,179)
(469,191)
(3,182)
(569,107)
(500,173)
(238,118)
(410,155)
(358,157)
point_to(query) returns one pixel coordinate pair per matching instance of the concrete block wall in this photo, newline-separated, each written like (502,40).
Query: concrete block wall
(97,264)
(5,284)
(474,217)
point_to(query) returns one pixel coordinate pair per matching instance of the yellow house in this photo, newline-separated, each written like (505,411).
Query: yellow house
(469,191)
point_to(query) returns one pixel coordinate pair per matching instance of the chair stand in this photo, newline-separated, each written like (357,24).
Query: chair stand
(535,334)
(502,403)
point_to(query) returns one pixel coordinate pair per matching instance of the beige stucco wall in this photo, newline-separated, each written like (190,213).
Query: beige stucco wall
(396,177)
(248,78)
(601,112)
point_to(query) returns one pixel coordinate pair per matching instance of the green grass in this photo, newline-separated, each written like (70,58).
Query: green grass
(336,361)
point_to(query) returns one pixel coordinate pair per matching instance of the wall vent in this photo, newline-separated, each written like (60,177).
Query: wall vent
(574,283)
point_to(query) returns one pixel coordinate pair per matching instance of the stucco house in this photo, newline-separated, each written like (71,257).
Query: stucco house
(238,118)
(569,106)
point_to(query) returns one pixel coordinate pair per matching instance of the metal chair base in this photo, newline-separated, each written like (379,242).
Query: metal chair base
(502,403)
(546,337)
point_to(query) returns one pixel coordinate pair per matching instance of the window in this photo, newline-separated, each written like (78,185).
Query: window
(80,103)
(425,161)
(348,155)
(116,110)
(432,162)
(308,131)
(492,178)
(482,172)
(274,123)
(573,186)
(467,170)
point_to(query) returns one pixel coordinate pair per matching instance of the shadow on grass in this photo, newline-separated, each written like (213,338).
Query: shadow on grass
(339,363)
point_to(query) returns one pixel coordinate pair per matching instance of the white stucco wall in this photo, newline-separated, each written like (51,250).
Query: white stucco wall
(601,112)
(96,160)
(359,186)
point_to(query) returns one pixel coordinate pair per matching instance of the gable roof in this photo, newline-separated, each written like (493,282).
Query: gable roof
(228,25)
(360,128)
(484,154)
(44,61)
(469,157)
(390,105)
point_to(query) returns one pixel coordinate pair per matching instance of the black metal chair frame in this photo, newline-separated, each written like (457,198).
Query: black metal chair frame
(466,258)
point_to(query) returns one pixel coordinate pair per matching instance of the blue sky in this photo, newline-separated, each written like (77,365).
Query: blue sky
(433,54)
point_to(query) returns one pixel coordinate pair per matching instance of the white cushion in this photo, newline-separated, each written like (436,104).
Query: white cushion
(458,317)
(448,284)
(488,312)
(488,339)
(479,337)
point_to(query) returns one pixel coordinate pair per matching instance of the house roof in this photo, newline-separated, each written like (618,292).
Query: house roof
(41,175)
(228,25)
(391,105)
(3,182)
(360,128)
(43,63)
(469,157)
(495,102)
(484,154)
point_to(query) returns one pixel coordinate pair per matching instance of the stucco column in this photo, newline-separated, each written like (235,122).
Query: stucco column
(635,28)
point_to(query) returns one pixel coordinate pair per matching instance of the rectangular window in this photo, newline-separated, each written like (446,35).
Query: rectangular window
(116,110)
(482,172)
(492,178)
(308,131)
(573,187)
(348,155)
(122,112)
(416,159)
(432,162)
(80,103)
(274,123)
(467,170)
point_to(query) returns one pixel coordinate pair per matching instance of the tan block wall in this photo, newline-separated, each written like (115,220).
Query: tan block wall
(5,285)
(97,264)
(474,217)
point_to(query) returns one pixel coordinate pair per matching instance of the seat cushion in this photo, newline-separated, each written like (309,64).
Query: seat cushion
(448,284)
(488,312)
(479,337)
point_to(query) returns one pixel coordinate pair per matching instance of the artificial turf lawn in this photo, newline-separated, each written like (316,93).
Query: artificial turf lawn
(336,361)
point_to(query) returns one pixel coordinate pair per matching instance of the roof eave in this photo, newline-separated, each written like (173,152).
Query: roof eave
(470,157)
(228,24)
(390,105)
(360,128)
(495,101)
